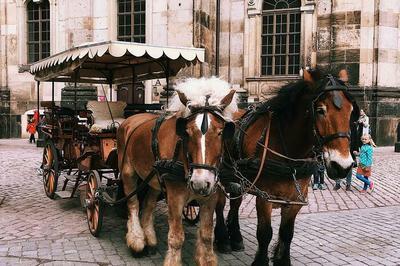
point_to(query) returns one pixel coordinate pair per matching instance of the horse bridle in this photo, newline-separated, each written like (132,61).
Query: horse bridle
(332,85)
(217,112)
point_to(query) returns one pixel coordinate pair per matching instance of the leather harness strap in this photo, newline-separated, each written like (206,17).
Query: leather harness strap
(264,154)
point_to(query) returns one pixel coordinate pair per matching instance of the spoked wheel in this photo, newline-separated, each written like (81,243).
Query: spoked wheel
(191,213)
(94,206)
(50,169)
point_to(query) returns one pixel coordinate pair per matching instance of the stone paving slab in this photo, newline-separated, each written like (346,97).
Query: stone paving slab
(337,228)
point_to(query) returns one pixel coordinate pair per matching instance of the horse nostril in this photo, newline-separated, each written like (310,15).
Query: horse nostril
(208,185)
(191,184)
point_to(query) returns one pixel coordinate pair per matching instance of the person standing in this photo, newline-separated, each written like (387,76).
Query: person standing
(365,162)
(319,173)
(31,129)
(363,122)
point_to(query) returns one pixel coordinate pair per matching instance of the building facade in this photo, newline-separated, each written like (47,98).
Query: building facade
(256,45)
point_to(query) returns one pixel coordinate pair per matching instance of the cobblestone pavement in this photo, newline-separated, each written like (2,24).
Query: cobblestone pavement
(337,228)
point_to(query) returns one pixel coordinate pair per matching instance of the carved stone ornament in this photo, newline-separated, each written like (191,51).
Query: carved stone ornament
(253,8)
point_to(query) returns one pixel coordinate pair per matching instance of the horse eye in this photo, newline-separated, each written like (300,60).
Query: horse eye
(220,132)
(320,111)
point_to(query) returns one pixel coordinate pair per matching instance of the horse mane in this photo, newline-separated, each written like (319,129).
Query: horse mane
(196,90)
(284,100)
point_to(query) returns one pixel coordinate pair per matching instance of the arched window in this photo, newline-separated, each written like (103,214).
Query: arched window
(38,30)
(280,53)
(131,20)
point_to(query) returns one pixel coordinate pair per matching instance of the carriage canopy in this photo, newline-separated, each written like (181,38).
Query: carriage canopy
(115,62)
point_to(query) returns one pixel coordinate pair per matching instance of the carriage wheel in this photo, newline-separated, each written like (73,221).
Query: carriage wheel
(50,169)
(94,206)
(191,213)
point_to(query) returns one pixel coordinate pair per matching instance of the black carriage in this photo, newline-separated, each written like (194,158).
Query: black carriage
(80,144)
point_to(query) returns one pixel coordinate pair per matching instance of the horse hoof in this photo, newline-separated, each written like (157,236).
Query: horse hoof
(259,262)
(223,247)
(139,254)
(237,246)
(150,250)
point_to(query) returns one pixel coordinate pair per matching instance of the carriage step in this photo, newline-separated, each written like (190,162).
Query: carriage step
(64,194)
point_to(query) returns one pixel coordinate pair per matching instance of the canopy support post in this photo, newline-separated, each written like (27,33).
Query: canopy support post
(111,90)
(167,80)
(52,92)
(110,82)
(133,85)
(38,95)
(75,92)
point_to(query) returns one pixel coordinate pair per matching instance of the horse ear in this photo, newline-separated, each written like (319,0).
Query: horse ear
(343,75)
(182,98)
(181,126)
(307,77)
(229,130)
(227,99)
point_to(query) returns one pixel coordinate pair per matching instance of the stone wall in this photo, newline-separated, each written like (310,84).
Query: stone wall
(338,37)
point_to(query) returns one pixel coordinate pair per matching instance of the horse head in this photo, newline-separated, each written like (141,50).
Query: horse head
(332,112)
(203,128)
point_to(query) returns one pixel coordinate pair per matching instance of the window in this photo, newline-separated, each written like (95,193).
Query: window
(38,30)
(131,20)
(280,47)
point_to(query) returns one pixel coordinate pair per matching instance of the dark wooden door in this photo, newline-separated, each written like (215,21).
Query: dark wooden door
(126,94)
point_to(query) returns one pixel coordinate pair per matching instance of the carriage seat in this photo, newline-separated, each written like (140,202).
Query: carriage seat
(102,121)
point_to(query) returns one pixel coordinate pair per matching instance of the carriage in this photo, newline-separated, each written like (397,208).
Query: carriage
(80,145)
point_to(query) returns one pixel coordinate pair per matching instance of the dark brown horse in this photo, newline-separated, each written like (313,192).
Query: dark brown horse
(188,143)
(284,137)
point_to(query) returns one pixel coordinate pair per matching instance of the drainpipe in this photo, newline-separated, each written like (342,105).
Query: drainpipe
(217,33)
(6,69)
(374,98)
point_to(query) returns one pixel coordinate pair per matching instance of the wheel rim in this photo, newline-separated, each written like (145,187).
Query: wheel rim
(94,207)
(49,171)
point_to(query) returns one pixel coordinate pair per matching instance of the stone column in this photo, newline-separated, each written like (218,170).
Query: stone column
(367,36)
(308,28)
(388,43)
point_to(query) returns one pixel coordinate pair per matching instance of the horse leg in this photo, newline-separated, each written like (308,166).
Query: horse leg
(176,199)
(134,236)
(233,225)
(286,230)
(221,231)
(147,221)
(264,231)
(204,247)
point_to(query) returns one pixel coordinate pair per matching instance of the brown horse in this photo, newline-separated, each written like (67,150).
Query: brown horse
(189,143)
(306,123)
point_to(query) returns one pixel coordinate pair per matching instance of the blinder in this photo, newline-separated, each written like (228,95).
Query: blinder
(229,131)
(181,124)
